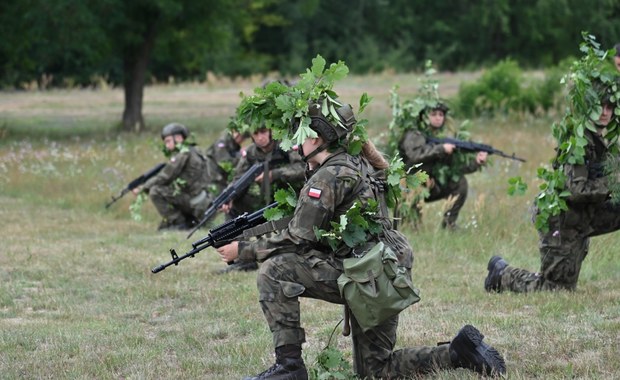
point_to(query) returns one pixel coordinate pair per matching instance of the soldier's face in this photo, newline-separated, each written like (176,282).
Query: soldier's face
(238,137)
(436,118)
(606,114)
(171,141)
(310,145)
(262,138)
(617,62)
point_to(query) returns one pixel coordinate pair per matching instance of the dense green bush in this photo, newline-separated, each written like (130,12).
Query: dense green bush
(503,89)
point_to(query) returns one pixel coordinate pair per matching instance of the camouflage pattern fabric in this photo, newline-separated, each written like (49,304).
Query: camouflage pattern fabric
(295,263)
(182,179)
(286,168)
(414,150)
(222,157)
(455,190)
(565,246)
(225,149)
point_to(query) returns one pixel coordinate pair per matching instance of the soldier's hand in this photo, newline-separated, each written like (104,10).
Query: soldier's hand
(448,148)
(136,190)
(226,207)
(430,183)
(229,252)
(260,177)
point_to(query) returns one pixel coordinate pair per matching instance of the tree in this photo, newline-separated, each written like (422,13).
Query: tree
(179,32)
(117,40)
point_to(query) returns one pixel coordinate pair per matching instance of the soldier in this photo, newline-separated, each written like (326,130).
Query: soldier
(590,213)
(281,169)
(617,56)
(296,263)
(223,156)
(178,191)
(446,170)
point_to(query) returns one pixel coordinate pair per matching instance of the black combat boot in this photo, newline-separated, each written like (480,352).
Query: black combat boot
(496,268)
(467,350)
(449,222)
(289,365)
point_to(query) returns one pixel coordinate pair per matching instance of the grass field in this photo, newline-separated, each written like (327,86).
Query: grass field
(78,300)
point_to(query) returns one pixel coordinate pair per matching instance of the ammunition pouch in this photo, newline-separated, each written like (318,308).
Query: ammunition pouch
(376,287)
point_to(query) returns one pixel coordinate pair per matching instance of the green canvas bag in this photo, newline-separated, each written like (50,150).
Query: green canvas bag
(376,287)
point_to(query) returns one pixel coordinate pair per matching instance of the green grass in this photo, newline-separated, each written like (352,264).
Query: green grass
(78,300)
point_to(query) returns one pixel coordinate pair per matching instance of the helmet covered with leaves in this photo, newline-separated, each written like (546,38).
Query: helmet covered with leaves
(331,123)
(604,91)
(174,129)
(441,106)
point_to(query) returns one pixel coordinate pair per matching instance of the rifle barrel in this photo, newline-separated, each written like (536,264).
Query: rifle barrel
(224,232)
(229,193)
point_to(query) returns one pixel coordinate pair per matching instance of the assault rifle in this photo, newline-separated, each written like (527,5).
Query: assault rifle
(229,193)
(472,147)
(137,182)
(220,235)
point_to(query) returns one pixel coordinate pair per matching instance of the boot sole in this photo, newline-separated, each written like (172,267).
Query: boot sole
(480,356)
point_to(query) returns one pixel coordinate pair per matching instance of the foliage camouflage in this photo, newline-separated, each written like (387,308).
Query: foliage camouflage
(584,105)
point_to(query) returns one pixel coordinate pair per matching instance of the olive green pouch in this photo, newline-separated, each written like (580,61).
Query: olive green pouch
(376,287)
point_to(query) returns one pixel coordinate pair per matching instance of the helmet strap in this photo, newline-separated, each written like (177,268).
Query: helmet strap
(318,150)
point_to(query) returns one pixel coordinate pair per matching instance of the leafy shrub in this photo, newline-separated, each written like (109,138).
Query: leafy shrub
(501,90)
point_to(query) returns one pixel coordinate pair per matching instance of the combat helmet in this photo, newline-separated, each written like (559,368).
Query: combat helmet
(329,130)
(434,105)
(442,107)
(174,129)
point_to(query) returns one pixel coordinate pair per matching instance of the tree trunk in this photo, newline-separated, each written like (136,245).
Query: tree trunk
(135,64)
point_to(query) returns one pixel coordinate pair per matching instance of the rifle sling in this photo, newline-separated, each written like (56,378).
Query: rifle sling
(270,226)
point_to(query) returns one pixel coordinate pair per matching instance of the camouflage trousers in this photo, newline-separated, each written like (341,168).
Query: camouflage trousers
(456,190)
(176,208)
(284,278)
(563,249)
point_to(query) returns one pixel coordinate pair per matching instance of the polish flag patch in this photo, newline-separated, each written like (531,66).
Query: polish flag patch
(314,193)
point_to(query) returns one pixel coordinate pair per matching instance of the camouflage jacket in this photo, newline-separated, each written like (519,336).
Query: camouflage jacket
(580,182)
(285,167)
(225,149)
(329,193)
(415,149)
(186,169)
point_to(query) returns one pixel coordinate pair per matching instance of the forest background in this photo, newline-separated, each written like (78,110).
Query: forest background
(77,298)
(96,43)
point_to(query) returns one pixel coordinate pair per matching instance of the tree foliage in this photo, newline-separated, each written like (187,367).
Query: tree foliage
(86,42)
(70,42)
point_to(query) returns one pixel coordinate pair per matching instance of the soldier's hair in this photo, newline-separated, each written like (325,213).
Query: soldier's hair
(617,46)
(374,157)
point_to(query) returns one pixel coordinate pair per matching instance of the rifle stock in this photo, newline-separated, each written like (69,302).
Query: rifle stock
(220,235)
(229,193)
(472,147)
(137,182)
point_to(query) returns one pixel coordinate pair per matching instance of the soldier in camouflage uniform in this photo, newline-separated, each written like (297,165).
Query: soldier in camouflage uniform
(178,191)
(223,157)
(281,169)
(295,263)
(434,158)
(564,247)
